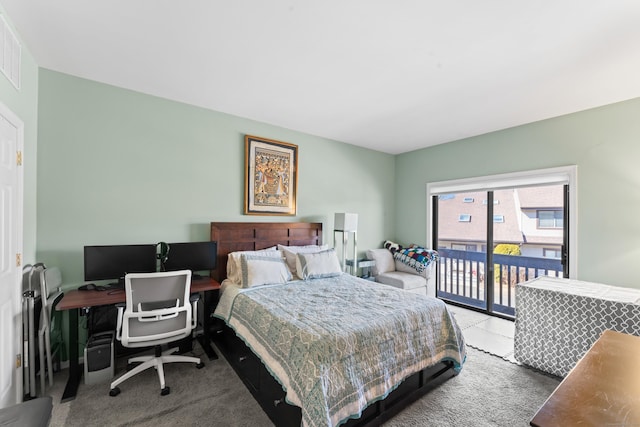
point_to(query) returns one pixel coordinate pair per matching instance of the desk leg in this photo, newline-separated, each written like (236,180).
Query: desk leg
(205,338)
(75,371)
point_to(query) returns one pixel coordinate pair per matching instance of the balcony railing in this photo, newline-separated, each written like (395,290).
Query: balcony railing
(462,277)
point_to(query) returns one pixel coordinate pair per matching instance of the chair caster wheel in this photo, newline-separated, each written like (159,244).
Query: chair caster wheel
(200,365)
(114,391)
(165,391)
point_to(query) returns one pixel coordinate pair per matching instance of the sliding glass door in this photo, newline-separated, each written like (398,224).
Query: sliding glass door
(462,242)
(490,240)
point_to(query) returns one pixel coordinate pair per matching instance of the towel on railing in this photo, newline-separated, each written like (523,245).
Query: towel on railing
(414,256)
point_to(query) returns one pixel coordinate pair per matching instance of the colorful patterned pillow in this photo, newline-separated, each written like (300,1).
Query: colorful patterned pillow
(416,257)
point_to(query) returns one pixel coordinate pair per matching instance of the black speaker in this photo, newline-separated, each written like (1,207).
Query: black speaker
(98,358)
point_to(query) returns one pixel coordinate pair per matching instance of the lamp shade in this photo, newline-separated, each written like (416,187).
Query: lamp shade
(345,222)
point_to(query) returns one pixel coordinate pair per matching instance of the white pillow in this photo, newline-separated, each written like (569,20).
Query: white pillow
(291,251)
(263,270)
(234,269)
(384,261)
(317,265)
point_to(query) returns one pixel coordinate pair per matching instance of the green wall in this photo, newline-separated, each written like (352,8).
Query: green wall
(115,166)
(605,145)
(23,103)
(120,167)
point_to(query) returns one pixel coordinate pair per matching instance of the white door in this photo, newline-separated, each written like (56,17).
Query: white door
(11,134)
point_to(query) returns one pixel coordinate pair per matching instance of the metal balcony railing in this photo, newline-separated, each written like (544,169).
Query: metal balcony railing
(462,277)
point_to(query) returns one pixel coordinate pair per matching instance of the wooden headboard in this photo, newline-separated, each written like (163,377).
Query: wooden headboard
(251,236)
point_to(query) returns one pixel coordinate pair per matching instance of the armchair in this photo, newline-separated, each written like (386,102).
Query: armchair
(390,271)
(158,310)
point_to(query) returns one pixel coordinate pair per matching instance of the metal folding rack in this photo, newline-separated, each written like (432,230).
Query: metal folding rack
(30,302)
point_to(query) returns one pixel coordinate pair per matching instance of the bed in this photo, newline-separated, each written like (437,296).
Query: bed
(325,348)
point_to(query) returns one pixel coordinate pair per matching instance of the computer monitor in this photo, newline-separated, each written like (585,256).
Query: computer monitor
(114,261)
(194,256)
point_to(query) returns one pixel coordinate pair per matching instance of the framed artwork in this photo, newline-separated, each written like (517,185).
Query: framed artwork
(271,176)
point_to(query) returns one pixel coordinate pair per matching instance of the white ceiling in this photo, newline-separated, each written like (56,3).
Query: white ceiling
(392,76)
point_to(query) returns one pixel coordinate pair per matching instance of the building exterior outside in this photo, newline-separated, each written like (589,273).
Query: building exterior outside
(530,217)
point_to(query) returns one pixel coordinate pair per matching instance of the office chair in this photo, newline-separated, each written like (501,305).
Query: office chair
(158,310)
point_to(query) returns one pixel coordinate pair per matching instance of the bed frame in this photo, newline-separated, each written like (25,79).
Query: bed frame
(243,236)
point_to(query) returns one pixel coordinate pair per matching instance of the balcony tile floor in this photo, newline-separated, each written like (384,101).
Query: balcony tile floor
(487,333)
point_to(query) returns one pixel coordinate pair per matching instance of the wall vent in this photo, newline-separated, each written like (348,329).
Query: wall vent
(10,52)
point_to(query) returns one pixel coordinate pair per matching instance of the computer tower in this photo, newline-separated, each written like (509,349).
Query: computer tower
(98,358)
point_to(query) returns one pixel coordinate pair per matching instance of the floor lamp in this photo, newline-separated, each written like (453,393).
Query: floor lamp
(346,224)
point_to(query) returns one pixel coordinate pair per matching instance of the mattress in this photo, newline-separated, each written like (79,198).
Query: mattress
(558,320)
(338,344)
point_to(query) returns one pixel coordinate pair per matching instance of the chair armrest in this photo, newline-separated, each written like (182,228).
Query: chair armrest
(120,306)
(193,299)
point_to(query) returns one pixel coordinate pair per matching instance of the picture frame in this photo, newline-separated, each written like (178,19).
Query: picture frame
(271,176)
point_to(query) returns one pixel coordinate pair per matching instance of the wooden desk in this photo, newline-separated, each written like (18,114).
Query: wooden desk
(603,389)
(75,300)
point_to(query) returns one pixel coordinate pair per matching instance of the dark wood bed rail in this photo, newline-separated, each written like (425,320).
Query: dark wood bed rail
(252,236)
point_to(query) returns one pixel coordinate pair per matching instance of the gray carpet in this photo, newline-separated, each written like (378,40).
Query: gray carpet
(211,396)
(488,392)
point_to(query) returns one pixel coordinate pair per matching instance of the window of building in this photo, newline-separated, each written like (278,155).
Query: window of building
(551,253)
(467,200)
(464,218)
(550,219)
(495,202)
(498,218)
(464,247)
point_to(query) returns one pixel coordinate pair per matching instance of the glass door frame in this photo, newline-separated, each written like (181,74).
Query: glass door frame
(566,176)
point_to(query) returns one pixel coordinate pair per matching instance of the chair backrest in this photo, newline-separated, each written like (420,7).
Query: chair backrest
(50,281)
(46,282)
(35,279)
(27,271)
(157,309)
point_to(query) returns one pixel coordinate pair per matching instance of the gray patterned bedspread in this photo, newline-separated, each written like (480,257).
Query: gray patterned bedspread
(338,344)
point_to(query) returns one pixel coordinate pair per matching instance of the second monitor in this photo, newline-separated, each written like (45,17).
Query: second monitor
(194,256)
(113,262)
